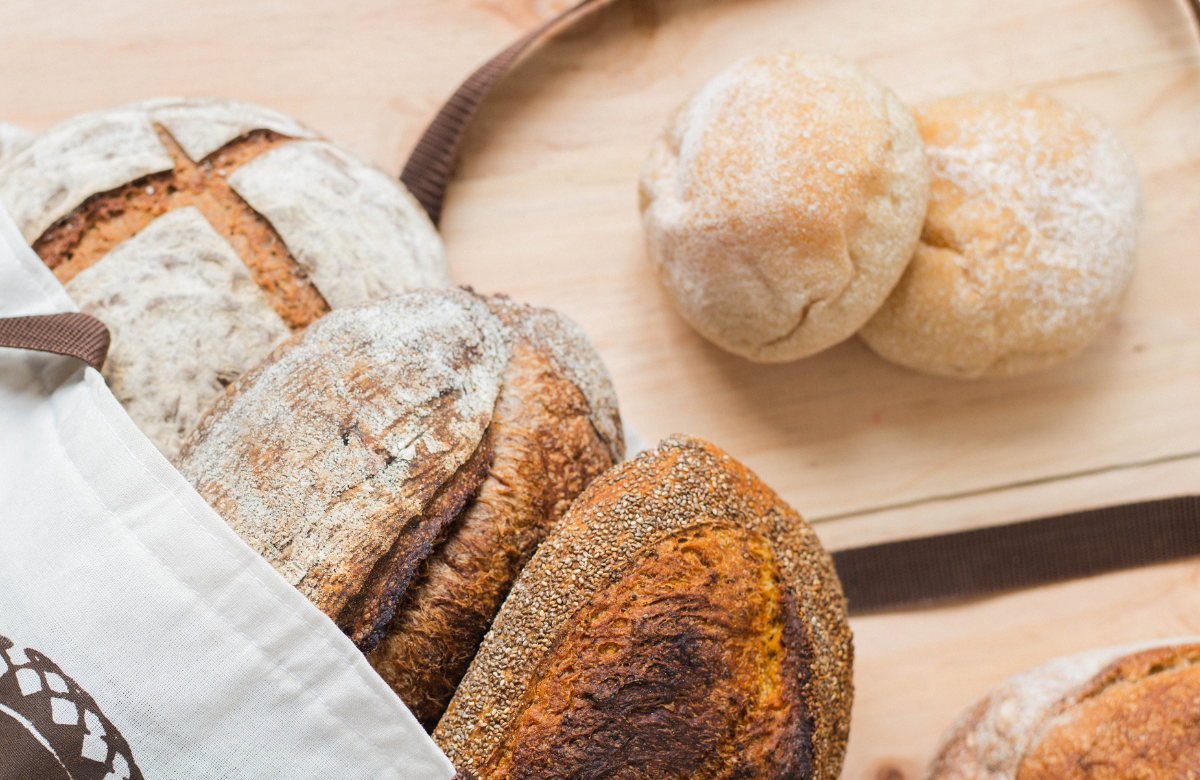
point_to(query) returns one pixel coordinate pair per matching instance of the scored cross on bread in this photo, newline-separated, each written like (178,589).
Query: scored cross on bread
(203,232)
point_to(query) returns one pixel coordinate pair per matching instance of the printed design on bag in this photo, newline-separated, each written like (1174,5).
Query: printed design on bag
(51,729)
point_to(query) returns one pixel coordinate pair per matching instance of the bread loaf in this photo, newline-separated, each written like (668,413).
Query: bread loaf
(1120,712)
(202,232)
(679,621)
(398,462)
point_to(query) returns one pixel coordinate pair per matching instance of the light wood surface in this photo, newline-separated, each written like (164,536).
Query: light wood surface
(544,208)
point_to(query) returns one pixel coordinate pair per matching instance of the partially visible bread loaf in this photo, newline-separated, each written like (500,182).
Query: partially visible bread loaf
(680,621)
(399,461)
(782,203)
(1121,712)
(1030,241)
(12,139)
(202,232)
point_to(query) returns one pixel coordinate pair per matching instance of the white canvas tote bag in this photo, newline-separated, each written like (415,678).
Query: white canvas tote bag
(139,636)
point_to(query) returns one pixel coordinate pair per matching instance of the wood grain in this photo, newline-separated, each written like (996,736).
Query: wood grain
(544,208)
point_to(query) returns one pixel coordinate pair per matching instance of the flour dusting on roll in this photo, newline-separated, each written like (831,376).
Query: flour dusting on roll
(1030,241)
(782,203)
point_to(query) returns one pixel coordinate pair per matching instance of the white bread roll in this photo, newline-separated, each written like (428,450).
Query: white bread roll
(782,203)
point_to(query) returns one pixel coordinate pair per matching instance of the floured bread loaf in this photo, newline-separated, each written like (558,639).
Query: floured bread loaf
(1030,241)
(1121,712)
(680,621)
(399,461)
(782,203)
(12,139)
(202,232)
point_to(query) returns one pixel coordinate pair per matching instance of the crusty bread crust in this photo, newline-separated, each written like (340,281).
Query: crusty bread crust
(682,486)
(545,454)
(1129,711)
(313,226)
(106,220)
(319,456)
(179,303)
(400,461)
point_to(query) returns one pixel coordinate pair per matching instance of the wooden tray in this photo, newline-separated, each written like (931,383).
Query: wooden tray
(545,209)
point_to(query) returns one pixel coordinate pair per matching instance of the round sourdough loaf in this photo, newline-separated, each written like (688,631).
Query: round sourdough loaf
(399,461)
(1131,711)
(679,621)
(202,232)
(1030,241)
(782,203)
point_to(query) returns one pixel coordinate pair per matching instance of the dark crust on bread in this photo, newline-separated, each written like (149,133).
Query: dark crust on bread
(682,484)
(1139,717)
(546,452)
(83,237)
(366,616)
(690,664)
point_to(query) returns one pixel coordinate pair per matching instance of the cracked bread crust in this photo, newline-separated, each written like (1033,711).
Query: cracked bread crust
(546,452)
(320,455)
(1131,711)
(782,203)
(557,663)
(399,461)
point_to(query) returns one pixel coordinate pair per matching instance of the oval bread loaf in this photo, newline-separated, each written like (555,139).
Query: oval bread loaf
(398,462)
(1131,711)
(202,232)
(680,621)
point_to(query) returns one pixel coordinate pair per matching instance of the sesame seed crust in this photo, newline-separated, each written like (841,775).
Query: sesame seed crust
(682,484)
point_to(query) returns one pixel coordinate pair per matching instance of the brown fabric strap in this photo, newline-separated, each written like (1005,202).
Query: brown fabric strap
(73,334)
(428,170)
(970,564)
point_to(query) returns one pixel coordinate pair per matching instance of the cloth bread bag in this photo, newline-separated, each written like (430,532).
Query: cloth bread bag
(139,636)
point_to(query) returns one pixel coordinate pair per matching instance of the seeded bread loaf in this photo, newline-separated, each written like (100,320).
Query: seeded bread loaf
(203,232)
(398,462)
(1120,712)
(679,621)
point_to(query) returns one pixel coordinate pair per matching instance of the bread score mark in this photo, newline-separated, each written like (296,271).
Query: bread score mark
(83,237)
(546,451)
(366,616)
(690,663)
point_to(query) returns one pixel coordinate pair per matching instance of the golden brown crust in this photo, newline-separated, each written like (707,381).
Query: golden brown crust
(546,452)
(1131,711)
(682,484)
(1140,717)
(83,237)
(690,664)
(366,616)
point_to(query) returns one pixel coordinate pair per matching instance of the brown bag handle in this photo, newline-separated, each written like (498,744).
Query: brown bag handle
(431,164)
(73,334)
